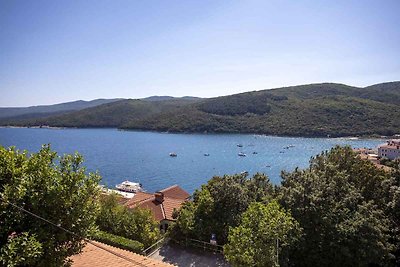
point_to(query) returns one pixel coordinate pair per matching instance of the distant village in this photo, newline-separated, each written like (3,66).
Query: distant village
(384,153)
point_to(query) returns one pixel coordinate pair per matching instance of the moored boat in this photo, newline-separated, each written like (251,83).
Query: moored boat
(128,186)
(173,154)
(241,154)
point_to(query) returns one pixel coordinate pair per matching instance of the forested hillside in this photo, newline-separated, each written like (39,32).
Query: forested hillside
(48,110)
(109,115)
(306,110)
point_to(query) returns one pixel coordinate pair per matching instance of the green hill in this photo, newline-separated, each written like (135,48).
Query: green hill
(306,110)
(48,110)
(113,114)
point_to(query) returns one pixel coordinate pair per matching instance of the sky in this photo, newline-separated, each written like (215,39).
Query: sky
(60,51)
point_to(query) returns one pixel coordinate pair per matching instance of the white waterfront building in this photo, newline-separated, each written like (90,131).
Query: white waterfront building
(390,150)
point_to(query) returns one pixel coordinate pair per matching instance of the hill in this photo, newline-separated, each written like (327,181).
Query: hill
(163,98)
(306,110)
(113,114)
(48,110)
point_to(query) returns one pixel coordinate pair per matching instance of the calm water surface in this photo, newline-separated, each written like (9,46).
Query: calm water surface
(144,156)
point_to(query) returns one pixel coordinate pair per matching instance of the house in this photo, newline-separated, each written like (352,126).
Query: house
(372,156)
(390,150)
(102,255)
(161,203)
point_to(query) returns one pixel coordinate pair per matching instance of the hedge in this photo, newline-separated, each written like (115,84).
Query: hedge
(119,241)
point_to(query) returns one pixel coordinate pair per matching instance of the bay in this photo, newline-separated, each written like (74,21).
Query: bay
(144,156)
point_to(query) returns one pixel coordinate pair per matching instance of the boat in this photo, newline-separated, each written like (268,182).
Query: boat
(255,152)
(244,173)
(172,154)
(128,186)
(239,145)
(241,154)
(206,154)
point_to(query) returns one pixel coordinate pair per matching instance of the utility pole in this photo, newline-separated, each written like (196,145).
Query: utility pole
(277,252)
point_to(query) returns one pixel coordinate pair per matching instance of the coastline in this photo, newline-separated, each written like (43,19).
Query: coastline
(345,137)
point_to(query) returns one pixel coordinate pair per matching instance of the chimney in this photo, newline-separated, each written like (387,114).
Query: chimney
(159,197)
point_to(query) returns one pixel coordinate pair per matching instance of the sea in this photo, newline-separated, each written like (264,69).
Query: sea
(145,156)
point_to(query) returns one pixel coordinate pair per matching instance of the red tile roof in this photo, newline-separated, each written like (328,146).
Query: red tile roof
(175,192)
(93,255)
(169,205)
(173,198)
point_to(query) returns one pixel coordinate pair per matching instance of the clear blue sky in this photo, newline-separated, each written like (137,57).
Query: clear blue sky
(58,51)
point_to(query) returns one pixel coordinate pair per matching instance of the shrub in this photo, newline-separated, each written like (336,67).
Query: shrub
(118,241)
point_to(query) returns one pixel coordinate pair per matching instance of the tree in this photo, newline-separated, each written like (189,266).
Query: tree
(219,204)
(137,224)
(340,202)
(254,241)
(21,249)
(393,208)
(55,188)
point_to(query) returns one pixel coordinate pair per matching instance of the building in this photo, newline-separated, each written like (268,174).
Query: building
(372,156)
(390,150)
(102,255)
(161,203)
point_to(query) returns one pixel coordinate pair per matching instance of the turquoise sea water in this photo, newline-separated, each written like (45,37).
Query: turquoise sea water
(144,156)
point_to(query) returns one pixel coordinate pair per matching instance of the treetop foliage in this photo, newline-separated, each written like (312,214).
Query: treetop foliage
(341,203)
(219,204)
(263,229)
(136,224)
(53,187)
(341,211)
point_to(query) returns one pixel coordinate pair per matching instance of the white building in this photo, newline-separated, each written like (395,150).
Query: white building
(390,150)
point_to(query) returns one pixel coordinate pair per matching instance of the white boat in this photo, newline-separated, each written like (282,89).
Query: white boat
(241,154)
(173,154)
(128,186)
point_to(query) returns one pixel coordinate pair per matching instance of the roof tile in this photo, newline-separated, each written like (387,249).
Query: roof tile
(92,255)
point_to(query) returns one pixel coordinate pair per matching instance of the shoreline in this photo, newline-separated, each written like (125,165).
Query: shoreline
(361,137)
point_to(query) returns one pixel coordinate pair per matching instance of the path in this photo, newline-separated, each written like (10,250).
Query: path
(188,257)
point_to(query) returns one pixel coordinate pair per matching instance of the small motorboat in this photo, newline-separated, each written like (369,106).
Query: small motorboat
(241,154)
(172,154)
(239,145)
(206,154)
(244,173)
(255,152)
(128,186)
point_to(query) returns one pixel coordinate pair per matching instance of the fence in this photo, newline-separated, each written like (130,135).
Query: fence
(153,248)
(188,242)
